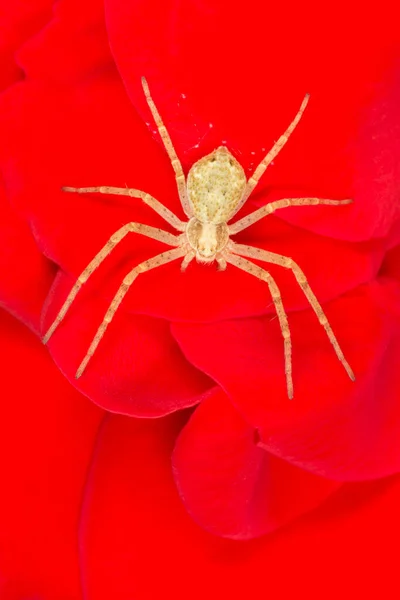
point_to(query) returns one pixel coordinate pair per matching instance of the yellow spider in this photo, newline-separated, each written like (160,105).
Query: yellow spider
(214,191)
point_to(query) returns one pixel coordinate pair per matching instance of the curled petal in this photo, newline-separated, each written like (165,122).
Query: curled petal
(347,143)
(47,433)
(134,519)
(137,369)
(19,21)
(25,274)
(333,427)
(230,485)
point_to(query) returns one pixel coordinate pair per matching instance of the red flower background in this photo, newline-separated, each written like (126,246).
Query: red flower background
(97,504)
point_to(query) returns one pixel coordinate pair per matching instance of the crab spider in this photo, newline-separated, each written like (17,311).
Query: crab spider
(214,191)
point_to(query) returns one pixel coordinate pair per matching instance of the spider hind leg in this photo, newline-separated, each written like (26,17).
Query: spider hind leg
(288,263)
(252,269)
(152,263)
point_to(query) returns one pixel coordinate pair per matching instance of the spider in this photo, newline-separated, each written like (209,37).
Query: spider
(215,190)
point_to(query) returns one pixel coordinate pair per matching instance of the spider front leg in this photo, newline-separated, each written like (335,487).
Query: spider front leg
(288,263)
(268,209)
(169,147)
(146,230)
(260,273)
(159,208)
(277,147)
(147,265)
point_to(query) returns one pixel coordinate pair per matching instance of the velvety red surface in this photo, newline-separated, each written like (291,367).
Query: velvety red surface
(89,507)
(99,505)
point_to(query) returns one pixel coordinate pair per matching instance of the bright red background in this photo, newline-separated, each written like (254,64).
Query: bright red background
(89,503)
(90,507)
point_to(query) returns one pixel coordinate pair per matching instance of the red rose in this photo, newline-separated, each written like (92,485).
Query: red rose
(93,507)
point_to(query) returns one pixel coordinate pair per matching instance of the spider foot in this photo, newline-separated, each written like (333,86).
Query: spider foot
(82,367)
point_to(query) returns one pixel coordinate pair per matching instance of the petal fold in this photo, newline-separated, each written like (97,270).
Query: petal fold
(347,143)
(25,274)
(134,524)
(47,434)
(138,368)
(333,427)
(230,485)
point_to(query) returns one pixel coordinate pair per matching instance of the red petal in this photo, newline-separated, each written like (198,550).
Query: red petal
(25,274)
(333,427)
(391,265)
(134,522)
(47,432)
(79,45)
(19,21)
(230,485)
(138,368)
(376,179)
(236,75)
(62,222)
(138,541)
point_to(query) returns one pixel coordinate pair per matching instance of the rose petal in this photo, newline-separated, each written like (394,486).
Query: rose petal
(230,485)
(47,432)
(376,179)
(137,540)
(25,274)
(62,221)
(391,265)
(78,38)
(19,21)
(333,427)
(215,92)
(138,368)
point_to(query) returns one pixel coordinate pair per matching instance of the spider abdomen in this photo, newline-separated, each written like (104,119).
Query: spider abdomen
(215,186)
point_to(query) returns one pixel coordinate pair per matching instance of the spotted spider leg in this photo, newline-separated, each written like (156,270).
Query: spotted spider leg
(157,206)
(276,205)
(252,269)
(147,265)
(277,147)
(116,238)
(169,147)
(288,263)
(158,234)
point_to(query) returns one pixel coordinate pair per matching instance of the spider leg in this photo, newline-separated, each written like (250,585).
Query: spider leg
(221,261)
(152,263)
(276,205)
(260,273)
(168,145)
(146,230)
(188,259)
(159,208)
(277,147)
(288,263)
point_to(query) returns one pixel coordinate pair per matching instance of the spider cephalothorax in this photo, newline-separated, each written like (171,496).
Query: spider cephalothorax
(215,189)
